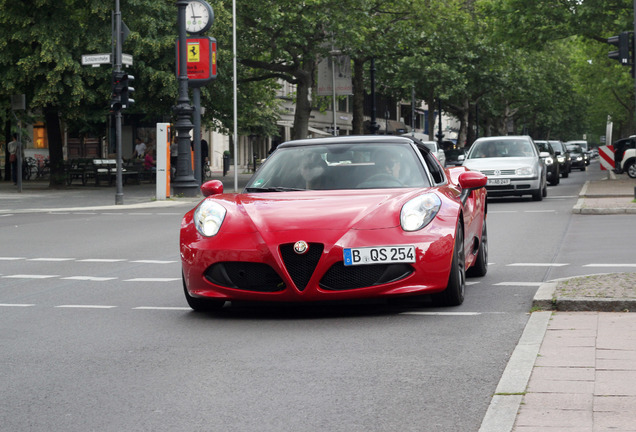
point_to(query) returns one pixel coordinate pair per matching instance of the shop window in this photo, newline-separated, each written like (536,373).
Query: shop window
(39,136)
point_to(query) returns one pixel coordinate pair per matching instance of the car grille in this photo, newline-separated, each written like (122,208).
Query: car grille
(340,277)
(248,276)
(301,267)
(504,172)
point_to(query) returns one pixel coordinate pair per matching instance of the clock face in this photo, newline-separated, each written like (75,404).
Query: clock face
(199,17)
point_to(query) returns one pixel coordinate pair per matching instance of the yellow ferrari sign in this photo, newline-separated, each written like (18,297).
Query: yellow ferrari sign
(194,52)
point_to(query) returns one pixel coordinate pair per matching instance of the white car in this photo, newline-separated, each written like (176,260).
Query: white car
(512,164)
(433,146)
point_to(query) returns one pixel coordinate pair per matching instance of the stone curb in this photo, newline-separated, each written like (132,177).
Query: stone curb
(544,299)
(504,406)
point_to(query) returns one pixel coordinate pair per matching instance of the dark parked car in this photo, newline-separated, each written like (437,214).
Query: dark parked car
(577,154)
(455,157)
(551,162)
(563,156)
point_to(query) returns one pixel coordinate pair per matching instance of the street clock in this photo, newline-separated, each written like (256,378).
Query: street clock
(199,17)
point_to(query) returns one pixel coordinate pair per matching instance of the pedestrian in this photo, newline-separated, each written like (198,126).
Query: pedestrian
(140,149)
(174,156)
(204,155)
(12,148)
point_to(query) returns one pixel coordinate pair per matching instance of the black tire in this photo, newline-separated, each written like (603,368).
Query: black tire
(630,169)
(566,173)
(199,304)
(454,293)
(537,195)
(480,268)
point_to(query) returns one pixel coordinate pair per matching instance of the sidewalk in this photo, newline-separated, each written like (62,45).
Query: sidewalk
(612,196)
(574,368)
(37,196)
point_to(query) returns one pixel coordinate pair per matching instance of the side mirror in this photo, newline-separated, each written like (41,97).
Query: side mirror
(213,187)
(545,154)
(469,181)
(461,157)
(557,153)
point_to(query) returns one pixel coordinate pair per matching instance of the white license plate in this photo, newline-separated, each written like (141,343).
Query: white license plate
(498,182)
(379,255)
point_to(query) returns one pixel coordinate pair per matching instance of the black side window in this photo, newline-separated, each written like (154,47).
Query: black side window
(436,170)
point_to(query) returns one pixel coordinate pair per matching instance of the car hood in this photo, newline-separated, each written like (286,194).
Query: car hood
(499,163)
(315,210)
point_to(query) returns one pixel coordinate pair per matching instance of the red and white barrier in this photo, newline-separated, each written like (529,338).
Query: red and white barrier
(606,155)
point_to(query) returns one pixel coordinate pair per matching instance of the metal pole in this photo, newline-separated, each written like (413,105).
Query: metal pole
(333,90)
(374,125)
(413,110)
(234,92)
(184,184)
(634,64)
(19,156)
(196,100)
(119,194)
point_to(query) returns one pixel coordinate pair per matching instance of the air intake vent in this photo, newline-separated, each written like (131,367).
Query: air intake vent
(301,267)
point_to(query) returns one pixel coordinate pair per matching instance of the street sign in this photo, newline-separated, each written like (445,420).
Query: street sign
(201,60)
(99,59)
(95,59)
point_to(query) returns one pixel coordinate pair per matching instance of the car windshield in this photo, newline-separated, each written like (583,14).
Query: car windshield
(575,148)
(340,166)
(501,148)
(556,145)
(543,146)
(431,146)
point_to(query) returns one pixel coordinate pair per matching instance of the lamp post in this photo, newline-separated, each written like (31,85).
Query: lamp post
(373,127)
(184,184)
(439,134)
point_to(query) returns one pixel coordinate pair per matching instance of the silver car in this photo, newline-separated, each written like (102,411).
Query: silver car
(513,165)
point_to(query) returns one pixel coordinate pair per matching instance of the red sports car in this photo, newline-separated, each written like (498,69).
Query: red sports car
(338,218)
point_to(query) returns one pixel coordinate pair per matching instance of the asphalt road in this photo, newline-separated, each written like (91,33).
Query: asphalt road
(95,333)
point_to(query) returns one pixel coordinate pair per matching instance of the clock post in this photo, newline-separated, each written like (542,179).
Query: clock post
(185,183)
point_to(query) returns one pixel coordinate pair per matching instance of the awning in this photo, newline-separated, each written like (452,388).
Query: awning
(318,131)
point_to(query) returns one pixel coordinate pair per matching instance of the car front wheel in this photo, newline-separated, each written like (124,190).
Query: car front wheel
(480,268)
(453,295)
(631,169)
(199,304)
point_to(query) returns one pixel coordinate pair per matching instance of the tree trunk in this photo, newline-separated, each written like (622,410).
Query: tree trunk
(303,101)
(56,154)
(358,97)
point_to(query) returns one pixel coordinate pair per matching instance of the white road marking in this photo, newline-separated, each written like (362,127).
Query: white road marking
(162,308)
(89,278)
(609,265)
(152,280)
(15,305)
(11,258)
(51,259)
(28,276)
(539,211)
(537,265)
(442,313)
(102,260)
(86,307)
(154,262)
(527,284)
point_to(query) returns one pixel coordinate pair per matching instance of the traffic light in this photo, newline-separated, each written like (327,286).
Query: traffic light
(623,42)
(127,89)
(121,89)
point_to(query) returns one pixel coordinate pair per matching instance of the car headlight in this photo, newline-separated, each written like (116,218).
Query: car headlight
(579,158)
(419,212)
(561,159)
(524,171)
(208,218)
(549,161)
